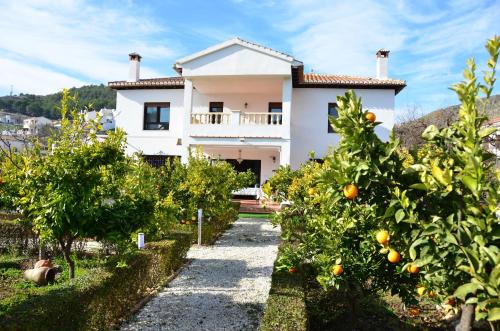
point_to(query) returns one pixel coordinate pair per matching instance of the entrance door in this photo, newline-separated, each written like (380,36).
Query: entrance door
(253,165)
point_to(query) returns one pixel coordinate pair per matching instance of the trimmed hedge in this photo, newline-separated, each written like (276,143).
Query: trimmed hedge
(211,230)
(101,298)
(286,306)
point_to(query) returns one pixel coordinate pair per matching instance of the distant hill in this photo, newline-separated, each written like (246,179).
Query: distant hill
(99,96)
(410,131)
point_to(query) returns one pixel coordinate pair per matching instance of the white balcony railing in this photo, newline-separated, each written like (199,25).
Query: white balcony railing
(238,124)
(210,118)
(261,118)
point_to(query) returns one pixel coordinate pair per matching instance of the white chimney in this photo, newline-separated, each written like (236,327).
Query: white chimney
(382,64)
(134,67)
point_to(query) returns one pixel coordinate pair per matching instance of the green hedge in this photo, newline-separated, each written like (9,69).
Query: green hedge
(212,229)
(99,299)
(286,306)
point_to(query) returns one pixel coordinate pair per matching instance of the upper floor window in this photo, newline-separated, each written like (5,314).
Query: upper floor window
(216,107)
(275,107)
(157,116)
(332,111)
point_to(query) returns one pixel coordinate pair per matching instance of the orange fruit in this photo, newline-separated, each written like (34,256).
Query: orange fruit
(337,269)
(292,270)
(413,269)
(432,294)
(370,116)
(413,311)
(420,290)
(393,256)
(311,191)
(350,191)
(383,237)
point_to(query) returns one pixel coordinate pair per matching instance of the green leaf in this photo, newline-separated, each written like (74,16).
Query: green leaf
(400,215)
(419,186)
(486,132)
(462,291)
(470,183)
(440,175)
(494,314)
(430,132)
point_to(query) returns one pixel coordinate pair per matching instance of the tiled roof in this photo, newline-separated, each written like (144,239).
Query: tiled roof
(151,83)
(308,80)
(321,80)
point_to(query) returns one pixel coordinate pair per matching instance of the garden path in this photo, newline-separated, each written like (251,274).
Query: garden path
(225,286)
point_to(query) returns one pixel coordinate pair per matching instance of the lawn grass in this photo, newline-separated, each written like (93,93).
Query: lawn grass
(254,215)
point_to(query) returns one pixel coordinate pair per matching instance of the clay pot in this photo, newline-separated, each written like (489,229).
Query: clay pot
(43,263)
(41,276)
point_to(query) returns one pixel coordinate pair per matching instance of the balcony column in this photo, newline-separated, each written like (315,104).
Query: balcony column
(188,108)
(234,120)
(285,154)
(287,106)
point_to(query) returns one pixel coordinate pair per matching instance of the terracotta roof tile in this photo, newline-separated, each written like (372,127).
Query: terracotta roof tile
(320,79)
(151,83)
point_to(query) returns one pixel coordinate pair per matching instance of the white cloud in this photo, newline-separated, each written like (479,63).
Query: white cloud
(429,40)
(342,37)
(79,39)
(36,80)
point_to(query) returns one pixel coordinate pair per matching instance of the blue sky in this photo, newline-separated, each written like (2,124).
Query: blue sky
(48,45)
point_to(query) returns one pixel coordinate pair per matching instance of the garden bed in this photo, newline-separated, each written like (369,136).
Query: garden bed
(102,294)
(286,306)
(297,302)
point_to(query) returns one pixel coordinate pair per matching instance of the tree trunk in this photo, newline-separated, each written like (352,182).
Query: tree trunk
(41,250)
(66,250)
(466,318)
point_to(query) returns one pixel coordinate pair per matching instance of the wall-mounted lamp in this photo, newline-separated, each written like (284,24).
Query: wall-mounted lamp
(246,105)
(239,159)
(274,159)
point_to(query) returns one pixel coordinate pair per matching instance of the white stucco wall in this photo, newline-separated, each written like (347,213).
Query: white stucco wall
(130,117)
(309,130)
(236,60)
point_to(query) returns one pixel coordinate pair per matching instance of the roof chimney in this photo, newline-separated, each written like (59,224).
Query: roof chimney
(382,63)
(134,67)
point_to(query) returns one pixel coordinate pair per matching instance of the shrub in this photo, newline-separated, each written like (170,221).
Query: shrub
(201,183)
(276,188)
(99,299)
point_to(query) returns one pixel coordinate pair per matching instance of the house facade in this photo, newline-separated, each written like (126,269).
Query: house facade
(245,103)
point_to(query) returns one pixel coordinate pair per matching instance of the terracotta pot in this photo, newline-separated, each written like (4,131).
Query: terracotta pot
(41,276)
(43,263)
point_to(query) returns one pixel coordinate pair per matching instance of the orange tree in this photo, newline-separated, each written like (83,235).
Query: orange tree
(447,214)
(337,208)
(82,186)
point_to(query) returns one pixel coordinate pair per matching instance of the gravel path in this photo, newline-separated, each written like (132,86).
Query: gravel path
(225,287)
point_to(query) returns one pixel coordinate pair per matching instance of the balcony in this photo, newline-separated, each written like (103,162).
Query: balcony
(237,124)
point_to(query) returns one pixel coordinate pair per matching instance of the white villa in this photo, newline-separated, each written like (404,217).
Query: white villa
(245,103)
